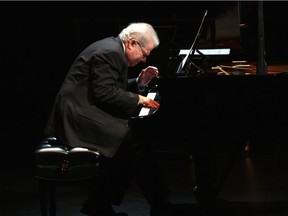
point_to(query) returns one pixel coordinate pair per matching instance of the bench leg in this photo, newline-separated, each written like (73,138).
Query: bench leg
(43,196)
(47,195)
(52,201)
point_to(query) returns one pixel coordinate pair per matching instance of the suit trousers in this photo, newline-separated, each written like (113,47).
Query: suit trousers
(134,161)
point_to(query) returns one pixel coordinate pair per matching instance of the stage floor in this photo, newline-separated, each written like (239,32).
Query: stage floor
(256,186)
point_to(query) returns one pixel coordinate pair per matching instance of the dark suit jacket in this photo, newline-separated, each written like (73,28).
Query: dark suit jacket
(93,106)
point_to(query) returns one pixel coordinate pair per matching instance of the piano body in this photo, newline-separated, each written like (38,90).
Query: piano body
(212,118)
(214,115)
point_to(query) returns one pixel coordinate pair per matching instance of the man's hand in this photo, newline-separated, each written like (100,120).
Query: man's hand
(146,75)
(147,102)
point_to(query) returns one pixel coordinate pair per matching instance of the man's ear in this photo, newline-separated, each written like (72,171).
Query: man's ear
(130,44)
(133,42)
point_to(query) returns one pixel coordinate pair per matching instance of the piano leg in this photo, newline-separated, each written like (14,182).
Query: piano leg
(202,150)
(214,154)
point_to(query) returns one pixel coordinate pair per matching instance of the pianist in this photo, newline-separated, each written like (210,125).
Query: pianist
(92,110)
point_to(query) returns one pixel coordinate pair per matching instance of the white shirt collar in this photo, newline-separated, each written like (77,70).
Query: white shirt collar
(123,45)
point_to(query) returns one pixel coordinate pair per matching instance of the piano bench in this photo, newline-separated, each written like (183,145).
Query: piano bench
(57,164)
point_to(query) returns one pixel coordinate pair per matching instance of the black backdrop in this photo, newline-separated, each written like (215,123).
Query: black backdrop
(39,41)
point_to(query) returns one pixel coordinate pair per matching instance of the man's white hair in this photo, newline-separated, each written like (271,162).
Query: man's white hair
(142,32)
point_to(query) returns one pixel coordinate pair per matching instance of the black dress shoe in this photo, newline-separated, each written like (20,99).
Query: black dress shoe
(165,209)
(105,214)
(100,211)
(115,214)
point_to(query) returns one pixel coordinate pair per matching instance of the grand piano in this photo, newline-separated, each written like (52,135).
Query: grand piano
(214,113)
(227,98)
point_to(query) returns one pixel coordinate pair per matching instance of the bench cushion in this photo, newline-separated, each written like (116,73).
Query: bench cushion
(54,161)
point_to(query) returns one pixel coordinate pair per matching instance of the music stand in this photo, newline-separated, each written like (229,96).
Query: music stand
(185,65)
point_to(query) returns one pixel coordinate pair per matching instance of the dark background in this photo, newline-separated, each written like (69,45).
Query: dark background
(39,41)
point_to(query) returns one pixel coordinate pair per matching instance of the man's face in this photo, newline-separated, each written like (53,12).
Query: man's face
(135,52)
